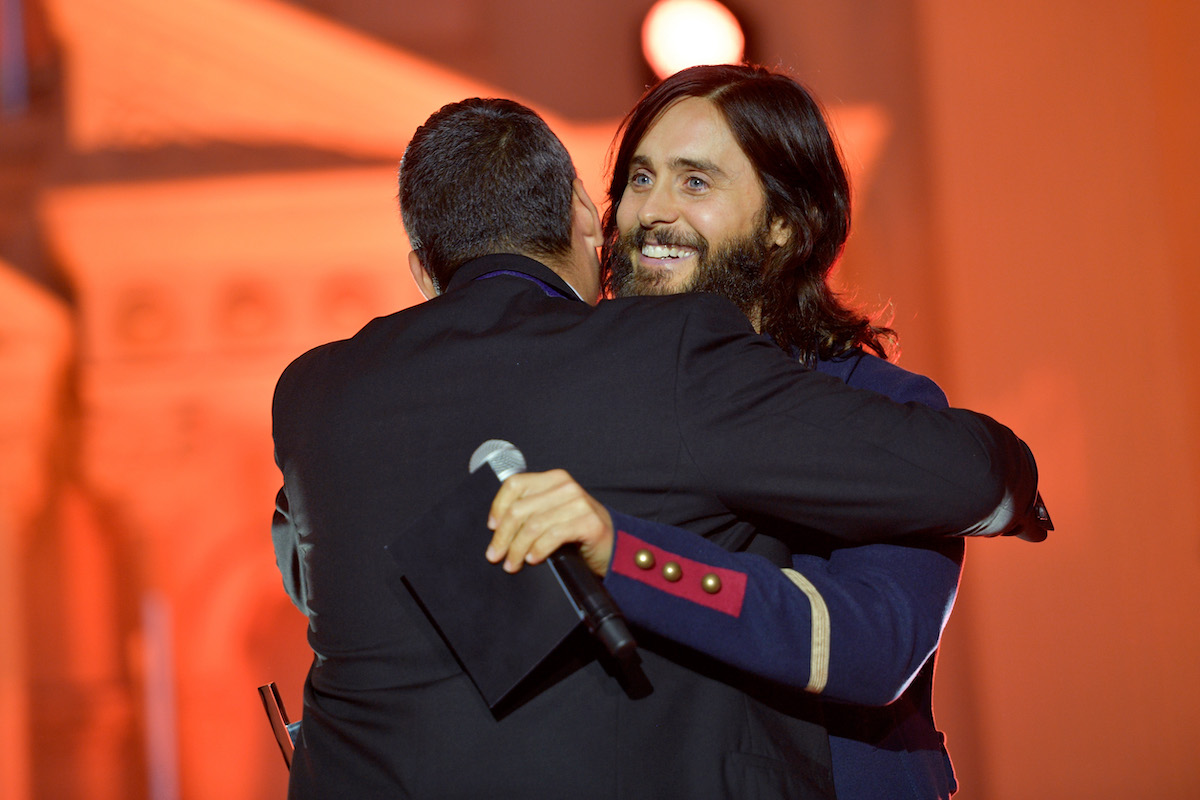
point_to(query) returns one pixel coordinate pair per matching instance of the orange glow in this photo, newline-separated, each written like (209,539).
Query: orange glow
(678,34)
(135,448)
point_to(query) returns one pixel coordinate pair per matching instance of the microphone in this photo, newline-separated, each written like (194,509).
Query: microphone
(591,600)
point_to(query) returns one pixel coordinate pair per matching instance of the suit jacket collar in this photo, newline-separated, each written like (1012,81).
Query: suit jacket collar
(512,263)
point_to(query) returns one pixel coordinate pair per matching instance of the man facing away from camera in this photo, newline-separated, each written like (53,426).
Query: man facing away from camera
(671,409)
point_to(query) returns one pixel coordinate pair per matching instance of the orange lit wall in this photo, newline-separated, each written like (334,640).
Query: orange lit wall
(1044,270)
(1064,168)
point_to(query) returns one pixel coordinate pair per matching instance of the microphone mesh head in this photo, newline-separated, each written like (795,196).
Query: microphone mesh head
(503,457)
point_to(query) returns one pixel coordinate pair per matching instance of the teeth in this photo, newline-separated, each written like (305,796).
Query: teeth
(663,251)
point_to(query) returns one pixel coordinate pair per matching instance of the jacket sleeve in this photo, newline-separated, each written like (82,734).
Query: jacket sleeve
(855,627)
(290,523)
(289,551)
(772,438)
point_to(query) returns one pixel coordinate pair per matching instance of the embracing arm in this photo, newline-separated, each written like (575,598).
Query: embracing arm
(855,627)
(771,438)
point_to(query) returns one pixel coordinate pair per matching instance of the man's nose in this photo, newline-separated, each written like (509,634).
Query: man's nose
(658,208)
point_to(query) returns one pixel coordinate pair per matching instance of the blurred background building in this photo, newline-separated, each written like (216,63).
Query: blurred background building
(192,193)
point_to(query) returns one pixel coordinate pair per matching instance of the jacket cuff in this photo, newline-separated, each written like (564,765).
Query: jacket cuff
(641,556)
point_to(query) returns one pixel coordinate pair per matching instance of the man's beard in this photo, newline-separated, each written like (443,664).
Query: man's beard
(734,269)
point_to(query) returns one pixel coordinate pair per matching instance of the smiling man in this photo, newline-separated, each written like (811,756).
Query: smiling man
(728,180)
(689,169)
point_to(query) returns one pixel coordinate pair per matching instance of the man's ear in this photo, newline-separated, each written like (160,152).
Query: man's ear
(780,233)
(422,277)
(586,218)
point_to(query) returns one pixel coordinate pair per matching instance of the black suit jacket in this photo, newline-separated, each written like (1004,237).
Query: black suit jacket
(670,409)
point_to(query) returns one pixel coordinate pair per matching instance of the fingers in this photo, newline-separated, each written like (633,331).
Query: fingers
(503,520)
(534,514)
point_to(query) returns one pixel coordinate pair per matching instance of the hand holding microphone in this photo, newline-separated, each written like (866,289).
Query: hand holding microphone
(535,513)
(547,516)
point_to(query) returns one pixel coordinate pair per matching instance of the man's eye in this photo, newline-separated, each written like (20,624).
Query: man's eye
(639,179)
(696,184)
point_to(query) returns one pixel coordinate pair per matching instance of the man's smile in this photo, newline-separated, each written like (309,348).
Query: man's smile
(666,252)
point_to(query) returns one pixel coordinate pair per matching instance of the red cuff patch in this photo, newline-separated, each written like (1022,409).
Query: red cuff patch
(630,560)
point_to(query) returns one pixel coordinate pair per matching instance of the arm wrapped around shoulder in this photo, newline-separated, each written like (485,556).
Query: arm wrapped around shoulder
(1021,511)
(769,437)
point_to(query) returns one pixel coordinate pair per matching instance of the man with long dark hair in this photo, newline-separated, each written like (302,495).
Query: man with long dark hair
(684,149)
(794,220)
(728,180)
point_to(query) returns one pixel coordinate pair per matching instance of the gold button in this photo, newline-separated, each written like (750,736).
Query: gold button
(711,583)
(672,571)
(644,559)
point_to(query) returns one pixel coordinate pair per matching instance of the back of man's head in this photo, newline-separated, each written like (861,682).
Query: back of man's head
(485,176)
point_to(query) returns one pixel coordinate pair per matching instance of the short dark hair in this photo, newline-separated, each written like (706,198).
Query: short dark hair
(782,130)
(482,176)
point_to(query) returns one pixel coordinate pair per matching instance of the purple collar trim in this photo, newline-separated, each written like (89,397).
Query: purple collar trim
(547,288)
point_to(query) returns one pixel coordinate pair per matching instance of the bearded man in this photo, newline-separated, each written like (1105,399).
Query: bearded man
(728,180)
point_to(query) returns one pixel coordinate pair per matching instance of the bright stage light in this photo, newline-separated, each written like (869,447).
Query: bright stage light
(683,33)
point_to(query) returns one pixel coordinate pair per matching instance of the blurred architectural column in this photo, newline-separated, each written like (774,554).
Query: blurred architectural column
(35,353)
(193,296)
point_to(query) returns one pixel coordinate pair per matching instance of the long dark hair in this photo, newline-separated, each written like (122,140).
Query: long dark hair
(781,129)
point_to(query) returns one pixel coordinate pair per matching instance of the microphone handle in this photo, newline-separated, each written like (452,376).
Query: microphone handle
(600,614)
